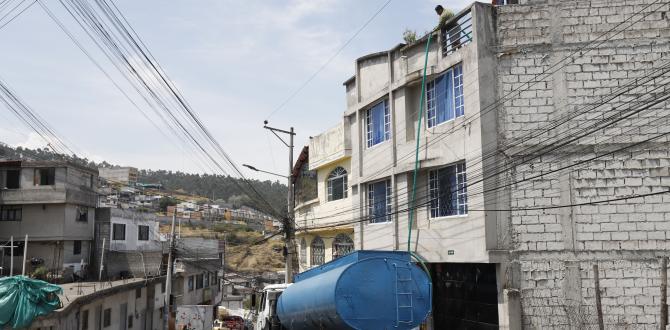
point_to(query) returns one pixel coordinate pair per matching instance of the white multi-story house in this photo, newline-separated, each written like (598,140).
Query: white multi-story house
(321,181)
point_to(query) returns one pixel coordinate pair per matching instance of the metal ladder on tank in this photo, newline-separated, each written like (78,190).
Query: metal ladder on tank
(403,293)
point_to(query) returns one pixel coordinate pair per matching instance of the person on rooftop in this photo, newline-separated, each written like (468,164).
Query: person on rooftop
(445,15)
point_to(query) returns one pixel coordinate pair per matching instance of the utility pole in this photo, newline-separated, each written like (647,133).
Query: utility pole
(11,256)
(288,222)
(168,278)
(102,258)
(25,252)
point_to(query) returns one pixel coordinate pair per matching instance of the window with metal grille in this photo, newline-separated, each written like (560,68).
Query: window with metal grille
(318,251)
(303,252)
(342,245)
(448,191)
(143,233)
(11,212)
(444,97)
(119,232)
(337,184)
(378,123)
(379,201)
(191,280)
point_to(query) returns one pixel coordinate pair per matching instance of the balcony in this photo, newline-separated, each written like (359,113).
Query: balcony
(457,32)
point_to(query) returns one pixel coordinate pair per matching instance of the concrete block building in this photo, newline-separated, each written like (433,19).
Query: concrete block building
(542,159)
(52,202)
(586,121)
(133,244)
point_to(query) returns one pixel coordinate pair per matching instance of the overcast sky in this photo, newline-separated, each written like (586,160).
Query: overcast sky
(235,62)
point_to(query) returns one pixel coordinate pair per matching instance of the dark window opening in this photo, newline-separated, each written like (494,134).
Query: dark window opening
(18,249)
(82,214)
(130,321)
(11,212)
(465,296)
(191,279)
(143,233)
(107,317)
(76,250)
(45,176)
(198,281)
(119,232)
(138,293)
(12,179)
(84,320)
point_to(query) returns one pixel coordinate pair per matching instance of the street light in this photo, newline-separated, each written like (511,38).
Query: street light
(288,222)
(257,170)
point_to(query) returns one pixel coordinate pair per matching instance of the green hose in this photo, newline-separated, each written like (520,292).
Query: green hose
(418,141)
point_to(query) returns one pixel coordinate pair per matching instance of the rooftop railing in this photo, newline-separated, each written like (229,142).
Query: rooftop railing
(457,33)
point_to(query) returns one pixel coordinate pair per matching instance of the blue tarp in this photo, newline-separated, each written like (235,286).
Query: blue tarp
(22,299)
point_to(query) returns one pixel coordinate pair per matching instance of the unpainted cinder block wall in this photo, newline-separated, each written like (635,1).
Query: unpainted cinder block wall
(584,120)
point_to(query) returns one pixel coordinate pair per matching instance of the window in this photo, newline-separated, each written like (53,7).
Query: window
(337,184)
(130,321)
(82,214)
(119,232)
(214,280)
(18,248)
(107,317)
(378,123)
(342,245)
(448,191)
(162,287)
(198,281)
(76,249)
(379,201)
(444,97)
(138,293)
(10,179)
(303,252)
(84,320)
(143,233)
(318,251)
(45,176)
(191,280)
(10,212)
(206,280)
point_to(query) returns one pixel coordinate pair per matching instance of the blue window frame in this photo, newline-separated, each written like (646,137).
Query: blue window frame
(444,97)
(379,201)
(378,122)
(448,191)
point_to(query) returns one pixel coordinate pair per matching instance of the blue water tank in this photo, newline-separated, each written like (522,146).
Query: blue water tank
(362,290)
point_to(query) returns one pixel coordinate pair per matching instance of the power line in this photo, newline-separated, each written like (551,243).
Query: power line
(328,61)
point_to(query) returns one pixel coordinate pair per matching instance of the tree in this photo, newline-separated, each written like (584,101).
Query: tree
(165,201)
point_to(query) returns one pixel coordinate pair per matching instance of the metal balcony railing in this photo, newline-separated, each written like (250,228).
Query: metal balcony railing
(456,33)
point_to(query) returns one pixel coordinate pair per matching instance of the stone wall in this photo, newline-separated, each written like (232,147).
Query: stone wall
(584,120)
